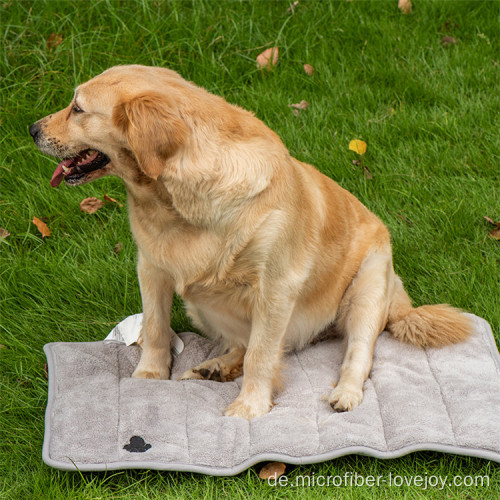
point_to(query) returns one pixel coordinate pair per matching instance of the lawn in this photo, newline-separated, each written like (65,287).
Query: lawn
(427,106)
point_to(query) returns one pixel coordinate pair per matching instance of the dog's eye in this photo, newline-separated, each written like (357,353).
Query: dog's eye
(76,109)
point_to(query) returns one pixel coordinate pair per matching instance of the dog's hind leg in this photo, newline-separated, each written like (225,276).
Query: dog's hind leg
(221,369)
(362,316)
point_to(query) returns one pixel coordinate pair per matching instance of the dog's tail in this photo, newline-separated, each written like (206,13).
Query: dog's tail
(426,326)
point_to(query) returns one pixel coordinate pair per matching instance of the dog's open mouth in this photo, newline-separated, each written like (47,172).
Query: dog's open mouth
(75,169)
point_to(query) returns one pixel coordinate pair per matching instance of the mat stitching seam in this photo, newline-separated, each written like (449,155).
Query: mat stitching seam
(312,391)
(442,398)
(379,411)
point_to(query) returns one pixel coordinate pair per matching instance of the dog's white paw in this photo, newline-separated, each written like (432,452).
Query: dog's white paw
(345,399)
(159,372)
(154,363)
(240,408)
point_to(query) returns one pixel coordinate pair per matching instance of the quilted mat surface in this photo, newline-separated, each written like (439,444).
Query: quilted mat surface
(98,418)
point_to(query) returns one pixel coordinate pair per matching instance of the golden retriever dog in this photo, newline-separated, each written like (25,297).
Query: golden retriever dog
(265,251)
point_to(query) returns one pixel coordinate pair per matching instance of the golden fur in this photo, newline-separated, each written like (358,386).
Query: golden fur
(265,251)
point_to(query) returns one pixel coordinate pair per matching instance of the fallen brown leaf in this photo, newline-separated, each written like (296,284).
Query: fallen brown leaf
(368,175)
(494,233)
(91,205)
(404,6)
(448,40)
(4,233)
(54,40)
(491,221)
(269,58)
(41,226)
(272,469)
(301,105)
(118,248)
(308,69)
(108,198)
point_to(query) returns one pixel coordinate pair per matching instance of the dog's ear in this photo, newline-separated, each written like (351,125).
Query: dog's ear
(153,128)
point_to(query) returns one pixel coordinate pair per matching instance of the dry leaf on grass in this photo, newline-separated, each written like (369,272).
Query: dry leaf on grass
(108,198)
(358,146)
(301,105)
(4,233)
(308,69)
(448,40)
(268,58)
(118,248)
(272,470)
(404,6)
(494,233)
(91,205)
(41,226)
(54,40)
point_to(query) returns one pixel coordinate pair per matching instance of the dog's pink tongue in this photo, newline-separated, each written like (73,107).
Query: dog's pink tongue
(58,174)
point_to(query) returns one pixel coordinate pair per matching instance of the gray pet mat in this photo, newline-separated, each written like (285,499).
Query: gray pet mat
(444,399)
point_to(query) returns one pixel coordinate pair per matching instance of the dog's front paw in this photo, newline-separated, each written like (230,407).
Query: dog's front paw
(154,364)
(242,409)
(156,374)
(159,372)
(345,399)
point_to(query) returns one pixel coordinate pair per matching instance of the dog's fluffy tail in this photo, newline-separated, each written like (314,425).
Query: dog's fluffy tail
(426,326)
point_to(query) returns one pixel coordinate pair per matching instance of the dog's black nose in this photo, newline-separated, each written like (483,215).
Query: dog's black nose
(34,130)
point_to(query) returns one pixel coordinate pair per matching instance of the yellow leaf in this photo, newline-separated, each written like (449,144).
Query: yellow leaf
(358,146)
(42,227)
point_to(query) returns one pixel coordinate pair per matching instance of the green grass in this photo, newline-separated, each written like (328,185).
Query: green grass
(430,116)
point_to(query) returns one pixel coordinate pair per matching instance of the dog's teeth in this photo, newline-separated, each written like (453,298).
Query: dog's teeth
(65,169)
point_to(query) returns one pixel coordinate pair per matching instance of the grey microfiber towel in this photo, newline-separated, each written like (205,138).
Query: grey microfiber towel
(99,418)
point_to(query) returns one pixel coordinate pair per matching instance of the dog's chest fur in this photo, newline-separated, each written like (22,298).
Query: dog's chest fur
(198,260)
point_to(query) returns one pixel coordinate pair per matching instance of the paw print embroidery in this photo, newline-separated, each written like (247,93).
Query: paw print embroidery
(137,445)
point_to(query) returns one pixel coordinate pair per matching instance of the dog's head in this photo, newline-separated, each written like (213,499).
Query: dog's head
(125,122)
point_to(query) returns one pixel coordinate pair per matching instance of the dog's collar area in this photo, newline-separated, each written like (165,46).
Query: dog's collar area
(75,168)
